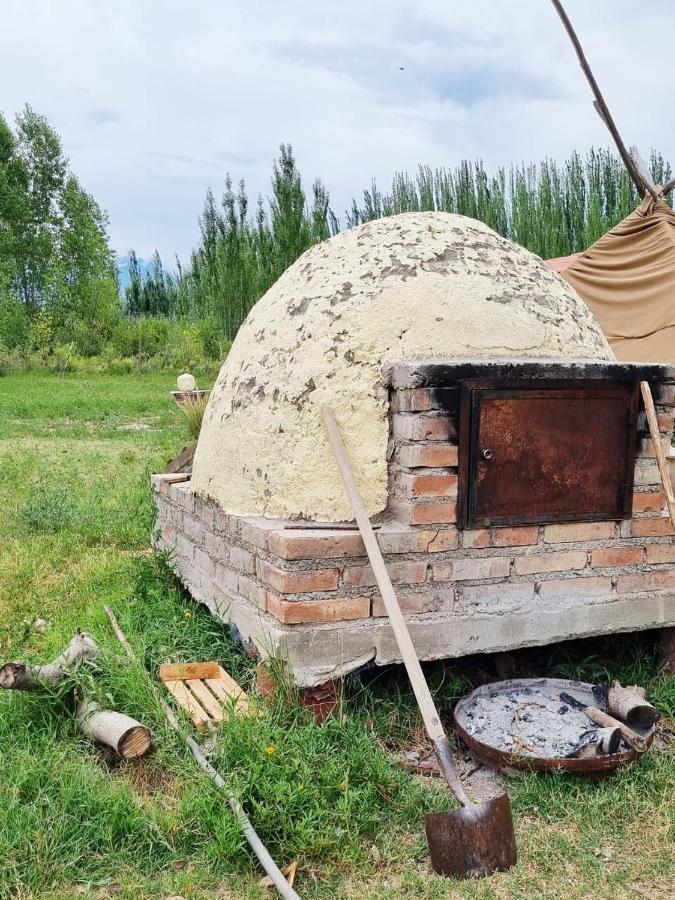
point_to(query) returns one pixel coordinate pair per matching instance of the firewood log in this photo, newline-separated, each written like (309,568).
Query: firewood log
(127,737)
(632,707)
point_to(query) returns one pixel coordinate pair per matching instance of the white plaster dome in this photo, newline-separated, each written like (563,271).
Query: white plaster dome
(412,286)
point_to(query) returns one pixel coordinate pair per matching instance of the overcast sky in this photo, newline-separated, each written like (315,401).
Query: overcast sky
(156,100)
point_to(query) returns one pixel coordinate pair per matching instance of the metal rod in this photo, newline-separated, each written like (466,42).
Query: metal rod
(266,861)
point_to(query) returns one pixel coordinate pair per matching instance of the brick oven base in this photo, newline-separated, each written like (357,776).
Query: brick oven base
(306,593)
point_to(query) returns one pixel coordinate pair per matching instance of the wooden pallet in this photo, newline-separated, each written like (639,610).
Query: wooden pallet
(205,691)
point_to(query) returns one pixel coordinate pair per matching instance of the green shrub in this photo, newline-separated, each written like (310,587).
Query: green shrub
(214,343)
(65,358)
(41,332)
(14,324)
(87,338)
(8,361)
(48,509)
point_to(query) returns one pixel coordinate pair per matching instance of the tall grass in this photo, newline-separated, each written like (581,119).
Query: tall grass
(193,409)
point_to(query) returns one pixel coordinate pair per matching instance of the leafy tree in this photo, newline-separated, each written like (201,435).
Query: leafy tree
(42,169)
(88,288)
(134,289)
(55,261)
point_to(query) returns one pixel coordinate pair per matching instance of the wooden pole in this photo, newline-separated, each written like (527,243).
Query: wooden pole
(648,401)
(601,106)
(266,861)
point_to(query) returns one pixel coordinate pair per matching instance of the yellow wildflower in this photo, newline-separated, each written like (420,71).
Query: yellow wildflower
(270,750)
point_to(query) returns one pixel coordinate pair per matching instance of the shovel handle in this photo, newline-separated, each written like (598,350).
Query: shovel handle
(432,721)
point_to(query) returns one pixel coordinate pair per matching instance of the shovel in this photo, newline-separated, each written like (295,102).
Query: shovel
(477,839)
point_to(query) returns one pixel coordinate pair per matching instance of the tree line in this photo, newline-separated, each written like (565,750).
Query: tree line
(552,208)
(58,281)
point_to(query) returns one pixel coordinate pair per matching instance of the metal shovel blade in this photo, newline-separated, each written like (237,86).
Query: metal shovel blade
(473,841)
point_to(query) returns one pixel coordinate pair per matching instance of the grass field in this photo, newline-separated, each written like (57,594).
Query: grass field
(75,523)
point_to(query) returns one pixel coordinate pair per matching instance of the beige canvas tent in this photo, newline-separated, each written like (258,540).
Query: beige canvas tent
(627,278)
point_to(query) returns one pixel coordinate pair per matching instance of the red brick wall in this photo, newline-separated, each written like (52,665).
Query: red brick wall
(314,575)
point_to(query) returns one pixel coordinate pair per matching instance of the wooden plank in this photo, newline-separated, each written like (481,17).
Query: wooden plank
(183,461)
(188,671)
(227,689)
(188,702)
(206,698)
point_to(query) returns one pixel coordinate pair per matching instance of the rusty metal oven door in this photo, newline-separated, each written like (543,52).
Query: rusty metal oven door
(546,454)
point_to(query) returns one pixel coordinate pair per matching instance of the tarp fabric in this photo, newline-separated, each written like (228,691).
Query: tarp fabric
(627,278)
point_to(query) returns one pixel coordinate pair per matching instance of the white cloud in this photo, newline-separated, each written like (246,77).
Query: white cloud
(155,101)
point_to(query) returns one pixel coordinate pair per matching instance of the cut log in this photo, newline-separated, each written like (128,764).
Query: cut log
(127,737)
(21,676)
(635,741)
(625,704)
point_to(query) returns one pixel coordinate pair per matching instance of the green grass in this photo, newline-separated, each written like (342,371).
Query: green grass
(75,520)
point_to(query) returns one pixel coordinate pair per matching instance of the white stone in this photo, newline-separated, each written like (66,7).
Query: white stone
(186,382)
(413,286)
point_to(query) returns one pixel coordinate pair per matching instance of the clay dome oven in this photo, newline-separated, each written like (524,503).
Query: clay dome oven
(413,286)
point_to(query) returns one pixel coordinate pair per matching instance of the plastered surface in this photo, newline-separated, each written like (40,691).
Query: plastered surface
(413,286)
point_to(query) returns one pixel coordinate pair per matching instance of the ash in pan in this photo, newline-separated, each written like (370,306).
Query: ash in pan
(527,722)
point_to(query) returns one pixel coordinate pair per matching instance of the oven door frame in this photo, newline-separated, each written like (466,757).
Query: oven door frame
(469,426)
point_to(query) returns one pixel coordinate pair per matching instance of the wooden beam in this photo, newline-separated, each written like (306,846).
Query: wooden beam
(182,462)
(667,188)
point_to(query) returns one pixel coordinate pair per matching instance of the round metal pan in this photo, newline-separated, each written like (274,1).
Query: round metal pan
(504,759)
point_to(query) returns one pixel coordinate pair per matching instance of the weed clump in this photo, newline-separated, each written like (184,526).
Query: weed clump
(49,510)
(193,410)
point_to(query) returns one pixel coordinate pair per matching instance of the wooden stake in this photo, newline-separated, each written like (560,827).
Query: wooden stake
(658,449)
(266,861)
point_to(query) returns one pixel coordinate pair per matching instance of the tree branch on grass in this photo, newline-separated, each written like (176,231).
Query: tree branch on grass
(21,676)
(122,734)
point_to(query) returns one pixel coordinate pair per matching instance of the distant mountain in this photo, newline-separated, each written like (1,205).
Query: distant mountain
(123,270)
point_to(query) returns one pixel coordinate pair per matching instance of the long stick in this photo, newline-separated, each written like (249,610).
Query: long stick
(600,104)
(432,721)
(266,861)
(648,401)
